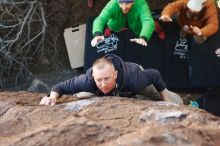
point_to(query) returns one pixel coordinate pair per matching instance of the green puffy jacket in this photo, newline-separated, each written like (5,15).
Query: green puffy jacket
(139,19)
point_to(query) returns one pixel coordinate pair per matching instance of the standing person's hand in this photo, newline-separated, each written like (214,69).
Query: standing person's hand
(165,18)
(217,52)
(140,41)
(196,30)
(51,100)
(96,39)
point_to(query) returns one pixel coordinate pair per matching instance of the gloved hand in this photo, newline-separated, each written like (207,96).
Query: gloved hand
(140,41)
(48,101)
(96,39)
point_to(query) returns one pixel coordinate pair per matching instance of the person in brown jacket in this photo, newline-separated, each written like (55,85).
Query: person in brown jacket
(198,18)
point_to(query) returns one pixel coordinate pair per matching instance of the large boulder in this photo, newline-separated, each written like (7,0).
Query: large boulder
(112,121)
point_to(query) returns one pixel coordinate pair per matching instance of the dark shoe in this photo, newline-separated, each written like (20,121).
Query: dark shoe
(90,3)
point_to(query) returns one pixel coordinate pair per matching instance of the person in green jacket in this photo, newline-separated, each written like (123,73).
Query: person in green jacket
(120,14)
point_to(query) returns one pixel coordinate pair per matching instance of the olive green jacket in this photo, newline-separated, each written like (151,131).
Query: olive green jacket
(139,19)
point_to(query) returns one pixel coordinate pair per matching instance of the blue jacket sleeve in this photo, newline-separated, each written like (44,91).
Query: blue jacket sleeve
(80,83)
(138,78)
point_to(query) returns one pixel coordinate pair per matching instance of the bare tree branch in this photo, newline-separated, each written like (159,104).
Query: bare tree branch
(22,37)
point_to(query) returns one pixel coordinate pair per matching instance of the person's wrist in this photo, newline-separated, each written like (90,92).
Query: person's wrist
(143,37)
(200,34)
(54,95)
(97,34)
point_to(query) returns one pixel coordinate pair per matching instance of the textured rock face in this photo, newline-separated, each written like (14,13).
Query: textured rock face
(111,121)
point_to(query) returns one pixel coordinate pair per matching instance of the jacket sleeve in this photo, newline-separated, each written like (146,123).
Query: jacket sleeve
(77,84)
(211,26)
(174,7)
(147,21)
(138,78)
(101,21)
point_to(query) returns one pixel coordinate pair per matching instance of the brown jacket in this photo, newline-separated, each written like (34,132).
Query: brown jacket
(207,19)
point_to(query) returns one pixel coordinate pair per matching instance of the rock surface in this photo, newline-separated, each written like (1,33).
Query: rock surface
(111,121)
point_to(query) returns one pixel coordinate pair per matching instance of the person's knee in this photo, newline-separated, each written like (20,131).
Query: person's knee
(150,92)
